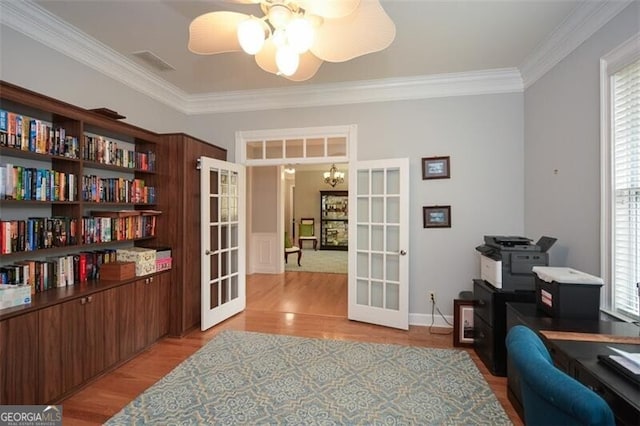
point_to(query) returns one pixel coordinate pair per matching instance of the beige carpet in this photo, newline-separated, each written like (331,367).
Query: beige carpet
(332,261)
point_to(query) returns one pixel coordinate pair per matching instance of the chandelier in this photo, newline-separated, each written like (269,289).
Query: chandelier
(333,176)
(294,37)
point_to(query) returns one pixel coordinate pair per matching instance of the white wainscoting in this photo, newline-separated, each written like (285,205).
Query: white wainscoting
(265,254)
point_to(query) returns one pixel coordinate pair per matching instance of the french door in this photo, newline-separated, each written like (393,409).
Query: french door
(379,239)
(222,234)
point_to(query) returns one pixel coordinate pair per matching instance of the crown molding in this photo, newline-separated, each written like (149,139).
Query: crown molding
(35,22)
(582,23)
(382,90)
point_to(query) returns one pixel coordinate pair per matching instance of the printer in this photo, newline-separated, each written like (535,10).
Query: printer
(506,261)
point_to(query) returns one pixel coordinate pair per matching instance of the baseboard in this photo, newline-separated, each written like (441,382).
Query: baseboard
(427,320)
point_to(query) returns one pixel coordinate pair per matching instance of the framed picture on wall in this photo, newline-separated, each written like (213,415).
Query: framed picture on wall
(436,168)
(436,216)
(462,322)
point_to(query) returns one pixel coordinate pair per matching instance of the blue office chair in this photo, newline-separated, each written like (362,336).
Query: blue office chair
(549,396)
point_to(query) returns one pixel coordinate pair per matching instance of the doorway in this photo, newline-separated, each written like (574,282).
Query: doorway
(378,242)
(314,224)
(265,153)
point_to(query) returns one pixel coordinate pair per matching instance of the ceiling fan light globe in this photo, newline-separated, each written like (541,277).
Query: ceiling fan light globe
(279,15)
(279,38)
(300,34)
(287,60)
(251,35)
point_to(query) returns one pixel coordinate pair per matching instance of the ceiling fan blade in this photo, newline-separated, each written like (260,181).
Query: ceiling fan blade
(369,29)
(215,32)
(266,59)
(329,9)
(309,66)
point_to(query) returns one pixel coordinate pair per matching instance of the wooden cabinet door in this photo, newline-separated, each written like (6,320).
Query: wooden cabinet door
(18,360)
(100,344)
(141,316)
(72,344)
(152,304)
(127,309)
(50,358)
(164,290)
(157,306)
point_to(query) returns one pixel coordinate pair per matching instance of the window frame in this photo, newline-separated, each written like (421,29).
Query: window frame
(623,55)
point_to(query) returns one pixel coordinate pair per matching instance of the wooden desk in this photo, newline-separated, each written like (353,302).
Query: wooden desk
(578,358)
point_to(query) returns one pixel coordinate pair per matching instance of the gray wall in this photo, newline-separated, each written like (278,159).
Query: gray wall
(483,135)
(29,64)
(562,132)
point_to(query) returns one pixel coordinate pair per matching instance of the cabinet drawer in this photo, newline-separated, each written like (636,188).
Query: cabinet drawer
(624,412)
(560,359)
(483,297)
(483,340)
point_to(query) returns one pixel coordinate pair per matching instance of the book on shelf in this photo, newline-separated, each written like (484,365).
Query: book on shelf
(29,134)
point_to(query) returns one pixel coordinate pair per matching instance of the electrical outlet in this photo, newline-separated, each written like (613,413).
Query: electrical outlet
(432,296)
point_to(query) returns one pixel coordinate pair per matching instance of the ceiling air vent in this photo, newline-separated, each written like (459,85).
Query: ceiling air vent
(153,60)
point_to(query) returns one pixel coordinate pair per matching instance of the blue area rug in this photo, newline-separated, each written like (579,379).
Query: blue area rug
(253,378)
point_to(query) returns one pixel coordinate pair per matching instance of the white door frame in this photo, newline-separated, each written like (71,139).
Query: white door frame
(242,137)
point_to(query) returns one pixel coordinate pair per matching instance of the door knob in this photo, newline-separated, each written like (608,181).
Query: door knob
(207,252)
(403,252)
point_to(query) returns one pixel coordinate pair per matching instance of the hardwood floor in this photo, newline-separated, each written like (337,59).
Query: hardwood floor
(297,303)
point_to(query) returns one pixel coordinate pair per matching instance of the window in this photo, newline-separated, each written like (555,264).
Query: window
(621,183)
(296,146)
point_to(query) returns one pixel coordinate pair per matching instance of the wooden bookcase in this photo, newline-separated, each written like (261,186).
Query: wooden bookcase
(71,334)
(182,208)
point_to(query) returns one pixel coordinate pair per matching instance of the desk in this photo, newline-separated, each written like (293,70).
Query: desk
(579,358)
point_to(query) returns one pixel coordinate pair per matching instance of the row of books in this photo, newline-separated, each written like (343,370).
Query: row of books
(37,233)
(55,272)
(30,134)
(102,228)
(30,183)
(42,233)
(104,151)
(118,190)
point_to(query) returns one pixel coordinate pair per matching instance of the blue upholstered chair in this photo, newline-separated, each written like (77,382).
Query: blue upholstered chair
(549,396)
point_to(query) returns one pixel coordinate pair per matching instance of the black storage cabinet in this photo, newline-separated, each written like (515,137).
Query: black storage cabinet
(490,323)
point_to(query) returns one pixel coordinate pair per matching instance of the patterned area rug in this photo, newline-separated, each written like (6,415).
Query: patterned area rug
(253,378)
(335,261)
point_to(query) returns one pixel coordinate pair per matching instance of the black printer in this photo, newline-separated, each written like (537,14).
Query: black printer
(506,261)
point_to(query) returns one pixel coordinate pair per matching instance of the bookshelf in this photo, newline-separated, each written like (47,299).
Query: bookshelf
(62,170)
(75,184)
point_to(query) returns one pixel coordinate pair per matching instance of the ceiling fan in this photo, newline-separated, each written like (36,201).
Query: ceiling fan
(294,37)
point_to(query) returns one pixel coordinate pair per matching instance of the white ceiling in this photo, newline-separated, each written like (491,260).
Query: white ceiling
(442,48)
(433,37)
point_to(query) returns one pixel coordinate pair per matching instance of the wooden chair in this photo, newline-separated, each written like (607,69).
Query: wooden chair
(307,232)
(289,248)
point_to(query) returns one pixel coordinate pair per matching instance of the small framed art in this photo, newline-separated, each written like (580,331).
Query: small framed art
(436,168)
(462,322)
(436,216)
